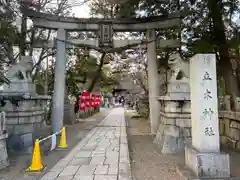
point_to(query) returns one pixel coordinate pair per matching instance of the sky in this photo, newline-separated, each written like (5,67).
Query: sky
(82,11)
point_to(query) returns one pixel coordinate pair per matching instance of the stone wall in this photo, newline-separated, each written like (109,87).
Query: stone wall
(229,122)
(175,125)
(25,123)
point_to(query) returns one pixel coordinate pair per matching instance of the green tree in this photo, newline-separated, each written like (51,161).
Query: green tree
(207,26)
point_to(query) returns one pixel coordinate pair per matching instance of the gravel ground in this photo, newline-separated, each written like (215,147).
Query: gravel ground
(146,162)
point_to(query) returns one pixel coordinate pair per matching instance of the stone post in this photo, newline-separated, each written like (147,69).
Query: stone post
(69,116)
(153,83)
(204,157)
(59,81)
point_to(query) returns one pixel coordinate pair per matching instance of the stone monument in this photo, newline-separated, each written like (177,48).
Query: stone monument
(25,110)
(174,130)
(203,157)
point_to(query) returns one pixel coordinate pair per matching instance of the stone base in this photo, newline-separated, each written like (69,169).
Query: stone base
(174,133)
(81,114)
(167,144)
(69,115)
(24,135)
(3,151)
(170,144)
(24,124)
(186,174)
(214,165)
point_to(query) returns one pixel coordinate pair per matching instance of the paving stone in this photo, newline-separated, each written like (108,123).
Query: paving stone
(113,169)
(105,177)
(124,168)
(83,154)
(92,142)
(50,176)
(62,163)
(69,171)
(115,142)
(100,149)
(89,148)
(111,160)
(64,178)
(24,177)
(124,177)
(124,160)
(80,161)
(70,156)
(97,160)
(86,170)
(110,148)
(102,155)
(112,154)
(104,146)
(56,169)
(101,169)
(98,154)
(77,177)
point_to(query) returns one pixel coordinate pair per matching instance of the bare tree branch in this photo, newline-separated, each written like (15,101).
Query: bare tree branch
(97,74)
(140,82)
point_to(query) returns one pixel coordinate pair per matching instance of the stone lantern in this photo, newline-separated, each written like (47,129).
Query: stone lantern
(25,109)
(175,107)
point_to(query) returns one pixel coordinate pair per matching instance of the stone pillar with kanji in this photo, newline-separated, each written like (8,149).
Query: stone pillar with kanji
(203,157)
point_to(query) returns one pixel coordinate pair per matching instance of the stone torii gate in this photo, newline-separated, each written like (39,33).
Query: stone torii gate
(105,43)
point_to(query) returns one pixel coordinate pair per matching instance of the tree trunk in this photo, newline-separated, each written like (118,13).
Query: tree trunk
(97,74)
(225,65)
(22,45)
(238,66)
(10,54)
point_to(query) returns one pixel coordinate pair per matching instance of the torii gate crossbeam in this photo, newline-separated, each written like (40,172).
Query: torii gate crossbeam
(105,28)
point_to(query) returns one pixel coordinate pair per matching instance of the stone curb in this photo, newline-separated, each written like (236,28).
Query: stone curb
(124,163)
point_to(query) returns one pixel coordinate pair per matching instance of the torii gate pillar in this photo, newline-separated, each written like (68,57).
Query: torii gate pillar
(59,82)
(153,84)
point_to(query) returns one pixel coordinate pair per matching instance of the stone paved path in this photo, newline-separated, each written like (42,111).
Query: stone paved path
(101,155)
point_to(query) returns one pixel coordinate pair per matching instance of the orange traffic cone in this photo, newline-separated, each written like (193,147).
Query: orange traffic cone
(36,165)
(63,140)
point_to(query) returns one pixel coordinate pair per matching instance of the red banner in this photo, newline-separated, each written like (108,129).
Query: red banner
(83,100)
(84,95)
(93,100)
(98,101)
(88,100)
